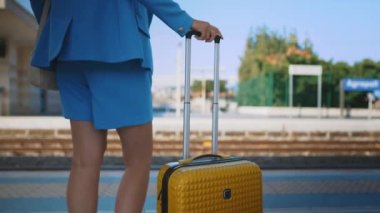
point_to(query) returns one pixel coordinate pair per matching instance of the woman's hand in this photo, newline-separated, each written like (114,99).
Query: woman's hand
(208,31)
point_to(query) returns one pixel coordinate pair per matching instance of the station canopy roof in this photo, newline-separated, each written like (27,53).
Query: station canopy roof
(17,23)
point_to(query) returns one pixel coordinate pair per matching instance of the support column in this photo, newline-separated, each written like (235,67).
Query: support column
(7,69)
(319,96)
(22,96)
(179,80)
(291,94)
(341,98)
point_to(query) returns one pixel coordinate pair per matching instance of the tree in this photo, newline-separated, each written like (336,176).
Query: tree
(197,87)
(263,72)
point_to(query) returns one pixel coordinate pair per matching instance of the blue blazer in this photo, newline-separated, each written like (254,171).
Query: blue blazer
(102,30)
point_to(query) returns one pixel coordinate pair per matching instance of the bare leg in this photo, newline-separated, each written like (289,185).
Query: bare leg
(89,145)
(137,155)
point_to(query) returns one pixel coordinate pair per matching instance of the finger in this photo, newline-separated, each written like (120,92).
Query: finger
(218,33)
(212,36)
(199,37)
(205,35)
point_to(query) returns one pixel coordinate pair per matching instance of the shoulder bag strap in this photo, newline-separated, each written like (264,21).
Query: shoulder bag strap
(45,13)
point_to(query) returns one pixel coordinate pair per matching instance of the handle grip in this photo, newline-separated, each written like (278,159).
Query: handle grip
(208,156)
(191,33)
(186,161)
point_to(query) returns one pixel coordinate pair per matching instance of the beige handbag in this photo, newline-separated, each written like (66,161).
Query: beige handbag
(44,79)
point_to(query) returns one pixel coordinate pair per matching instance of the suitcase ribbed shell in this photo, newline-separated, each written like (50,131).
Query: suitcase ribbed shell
(201,189)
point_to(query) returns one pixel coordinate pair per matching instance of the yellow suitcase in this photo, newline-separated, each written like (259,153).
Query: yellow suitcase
(208,183)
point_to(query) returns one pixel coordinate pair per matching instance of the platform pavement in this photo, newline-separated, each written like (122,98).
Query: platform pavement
(227,122)
(284,191)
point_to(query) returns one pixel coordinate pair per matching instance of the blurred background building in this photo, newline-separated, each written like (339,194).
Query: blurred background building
(258,86)
(18,30)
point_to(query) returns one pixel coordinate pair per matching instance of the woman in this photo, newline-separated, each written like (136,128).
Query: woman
(101,52)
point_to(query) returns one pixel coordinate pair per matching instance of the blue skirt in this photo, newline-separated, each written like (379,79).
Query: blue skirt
(110,95)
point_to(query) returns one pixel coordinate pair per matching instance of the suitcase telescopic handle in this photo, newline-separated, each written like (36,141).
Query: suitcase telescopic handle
(215,104)
(196,33)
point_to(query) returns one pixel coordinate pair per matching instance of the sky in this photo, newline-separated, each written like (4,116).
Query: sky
(340,30)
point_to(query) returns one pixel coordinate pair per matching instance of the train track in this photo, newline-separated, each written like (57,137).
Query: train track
(63,147)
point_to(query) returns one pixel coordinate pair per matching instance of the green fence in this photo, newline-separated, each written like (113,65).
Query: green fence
(272,89)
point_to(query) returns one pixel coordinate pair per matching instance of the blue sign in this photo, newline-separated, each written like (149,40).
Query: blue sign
(364,84)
